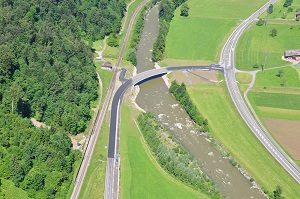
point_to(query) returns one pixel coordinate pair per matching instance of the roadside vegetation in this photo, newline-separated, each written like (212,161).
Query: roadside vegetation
(94,180)
(141,175)
(275,99)
(132,7)
(201,35)
(47,73)
(229,129)
(276,94)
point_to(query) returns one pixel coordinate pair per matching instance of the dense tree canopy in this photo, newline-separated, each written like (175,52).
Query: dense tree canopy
(39,161)
(47,72)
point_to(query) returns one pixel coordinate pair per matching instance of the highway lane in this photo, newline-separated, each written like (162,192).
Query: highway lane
(113,164)
(101,114)
(227,60)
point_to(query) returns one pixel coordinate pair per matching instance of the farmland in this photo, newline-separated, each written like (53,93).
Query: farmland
(257,47)
(226,126)
(275,99)
(201,35)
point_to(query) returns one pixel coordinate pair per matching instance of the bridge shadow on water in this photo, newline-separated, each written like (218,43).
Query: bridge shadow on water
(149,78)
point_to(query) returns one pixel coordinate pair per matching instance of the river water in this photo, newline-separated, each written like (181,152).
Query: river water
(155,97)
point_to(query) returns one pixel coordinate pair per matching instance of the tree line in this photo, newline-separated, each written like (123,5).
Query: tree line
(181,95)
(175,160)
(166,14)
(47,72)
(136,36)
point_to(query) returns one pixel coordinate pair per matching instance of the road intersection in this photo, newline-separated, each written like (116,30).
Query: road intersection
(101,113)
(227,61)
(113,163)
(226,64)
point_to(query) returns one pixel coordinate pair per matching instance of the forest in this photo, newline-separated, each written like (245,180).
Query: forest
(47,73)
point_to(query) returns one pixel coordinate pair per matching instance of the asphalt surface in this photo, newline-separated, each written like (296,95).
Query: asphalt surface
(227,61)
(112,171)
(101,114)
(112,166)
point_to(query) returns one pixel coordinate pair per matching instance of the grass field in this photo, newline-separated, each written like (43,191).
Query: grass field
(271,100)
(94,181)
(227,126)
(105,76)
(279,11)
(141,175)
(202,35)
(277,113)
(257,47)
(275,100)
(98,45)
(244,78)
(271,78)
(93,184)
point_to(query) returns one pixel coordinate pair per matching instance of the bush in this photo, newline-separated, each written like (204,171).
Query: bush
(270,9)
(273,32)
(260,22)
(113,40)
(184,11)
(287,3)
(132,56)
(290,9)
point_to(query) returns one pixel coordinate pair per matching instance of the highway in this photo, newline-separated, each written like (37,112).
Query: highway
(113,163)
(101,113)
(227,60)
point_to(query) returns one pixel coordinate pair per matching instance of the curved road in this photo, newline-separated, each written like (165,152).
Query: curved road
(113,163)
(101,114)
(227,61)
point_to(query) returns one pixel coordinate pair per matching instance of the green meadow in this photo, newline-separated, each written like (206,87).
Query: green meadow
(201,35)
(228,128)
(275,95)
(257,47)
(275,100)
(280,77)
(141,175)
(280,12)
(93,184)
(94,181)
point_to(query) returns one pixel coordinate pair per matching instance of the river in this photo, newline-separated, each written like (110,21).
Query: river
(155,97)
